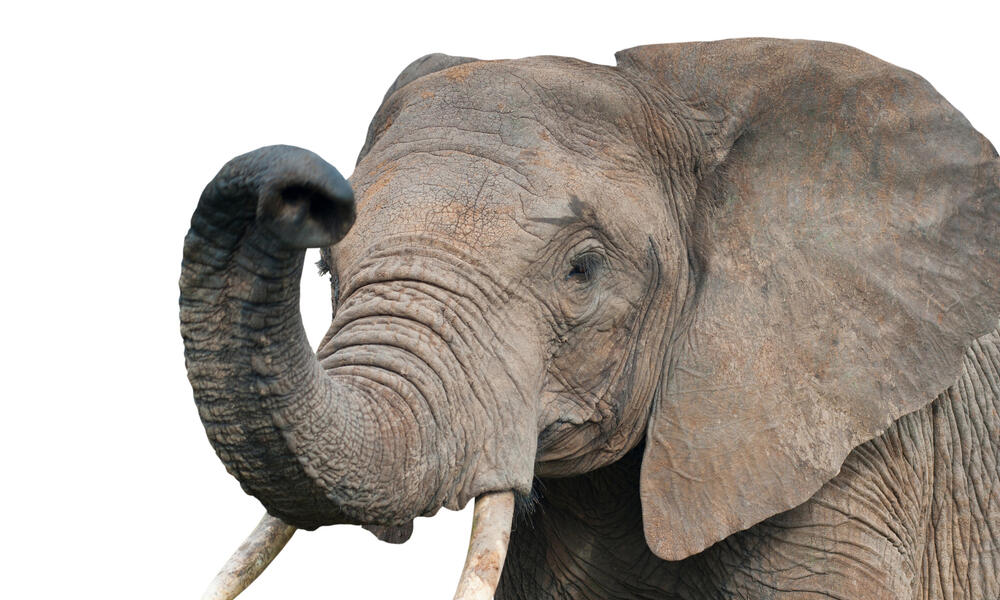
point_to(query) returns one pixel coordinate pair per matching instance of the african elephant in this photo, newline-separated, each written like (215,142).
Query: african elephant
(719,321)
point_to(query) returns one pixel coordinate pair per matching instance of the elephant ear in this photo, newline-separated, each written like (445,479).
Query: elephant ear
(845,249)
(425,65)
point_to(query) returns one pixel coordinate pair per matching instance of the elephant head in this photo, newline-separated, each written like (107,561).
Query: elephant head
(752,254)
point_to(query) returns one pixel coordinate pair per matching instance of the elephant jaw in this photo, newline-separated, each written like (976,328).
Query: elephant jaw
(491,524)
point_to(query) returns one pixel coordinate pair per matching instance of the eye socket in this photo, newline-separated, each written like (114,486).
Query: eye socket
(585,267)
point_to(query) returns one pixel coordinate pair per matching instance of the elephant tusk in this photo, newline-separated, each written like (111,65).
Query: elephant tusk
(491,522)
(250,559)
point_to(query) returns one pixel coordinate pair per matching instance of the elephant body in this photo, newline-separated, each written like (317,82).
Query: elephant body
(913,514)
(722,317)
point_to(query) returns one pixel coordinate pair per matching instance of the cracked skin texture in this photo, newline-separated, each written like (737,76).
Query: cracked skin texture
(721,308)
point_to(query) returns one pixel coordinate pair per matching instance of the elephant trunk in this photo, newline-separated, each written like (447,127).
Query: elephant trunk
(300,441)
(368,435)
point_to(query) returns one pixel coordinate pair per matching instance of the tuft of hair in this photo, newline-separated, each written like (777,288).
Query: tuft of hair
(525,505)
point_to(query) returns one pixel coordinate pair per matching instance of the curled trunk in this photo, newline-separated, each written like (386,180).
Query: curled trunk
(299,440)
(248,359)
(409,409)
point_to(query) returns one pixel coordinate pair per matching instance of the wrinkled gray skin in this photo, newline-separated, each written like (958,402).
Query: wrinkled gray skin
(720,315)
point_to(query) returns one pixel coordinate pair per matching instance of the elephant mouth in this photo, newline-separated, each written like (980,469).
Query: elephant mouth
(491,524)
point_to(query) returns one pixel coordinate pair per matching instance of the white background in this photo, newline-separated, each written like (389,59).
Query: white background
(114,116)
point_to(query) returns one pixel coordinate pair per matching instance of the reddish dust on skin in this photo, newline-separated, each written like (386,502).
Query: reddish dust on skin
(382,180)
(461,72)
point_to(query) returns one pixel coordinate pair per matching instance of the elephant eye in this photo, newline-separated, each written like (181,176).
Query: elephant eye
(584,267)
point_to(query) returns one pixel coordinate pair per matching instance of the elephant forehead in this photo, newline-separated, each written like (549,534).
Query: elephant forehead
(489,207)
(564,86)
(491,155)
(456,197)
(471,181)
(476,206)
(515,111)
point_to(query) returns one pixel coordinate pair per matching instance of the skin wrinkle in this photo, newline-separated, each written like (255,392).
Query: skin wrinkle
(469,374)
(436,472)
(416,323)
(452,377)
(884,510)
(599,400)
(433,368)
(408,380)
(444,329)
(467,323)
(643,313)
(456,260)
(350,489)
(447,152)
(536,91)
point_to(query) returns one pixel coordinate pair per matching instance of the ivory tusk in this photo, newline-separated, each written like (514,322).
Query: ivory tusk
(491,523)
(250,559)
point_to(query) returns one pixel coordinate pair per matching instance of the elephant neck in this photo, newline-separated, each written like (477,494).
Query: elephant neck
(586,534)
(956,553)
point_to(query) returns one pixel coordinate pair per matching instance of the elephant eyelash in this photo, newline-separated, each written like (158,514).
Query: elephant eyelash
(324,269)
